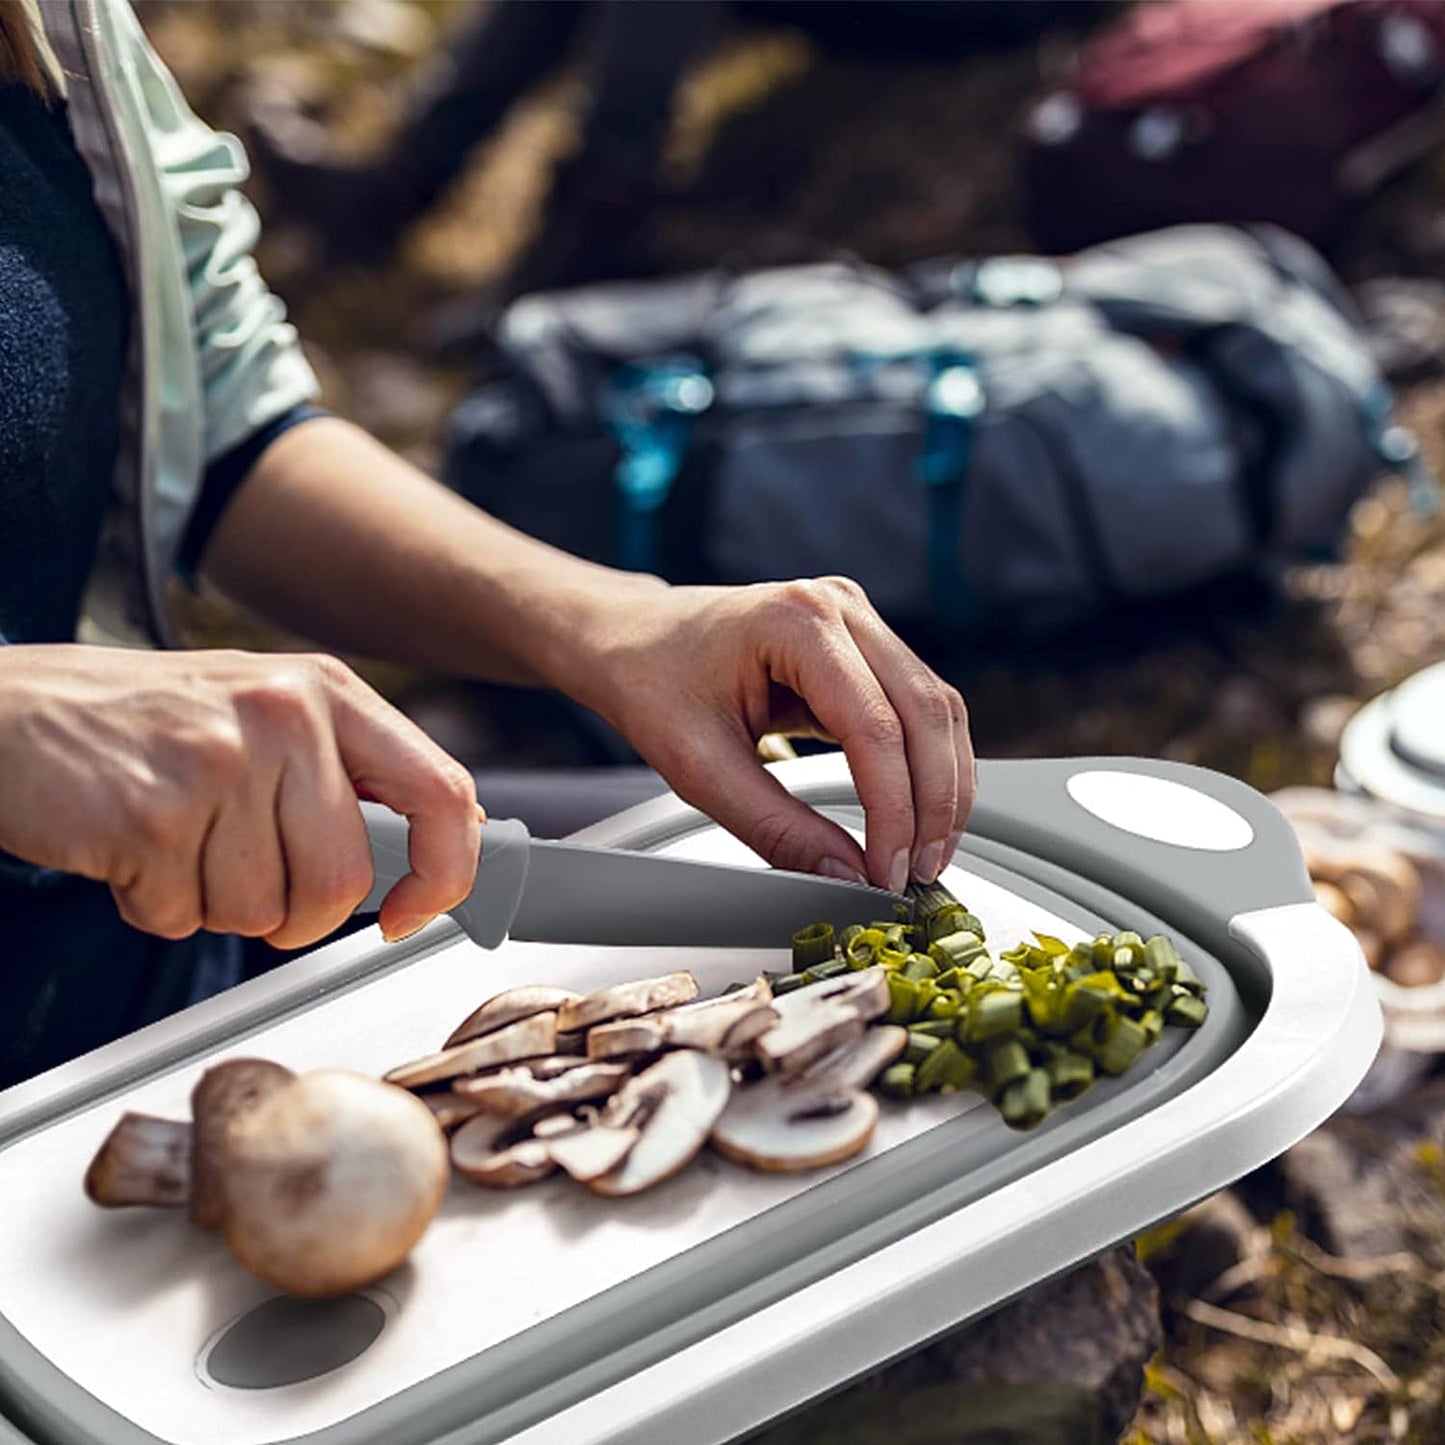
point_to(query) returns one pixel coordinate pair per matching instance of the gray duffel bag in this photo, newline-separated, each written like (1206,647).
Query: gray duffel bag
(1013,444)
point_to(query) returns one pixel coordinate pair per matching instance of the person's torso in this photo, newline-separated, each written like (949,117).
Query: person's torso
(72,974)
(63,328)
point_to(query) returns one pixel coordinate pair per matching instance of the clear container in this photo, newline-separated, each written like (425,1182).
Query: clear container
(1333,824)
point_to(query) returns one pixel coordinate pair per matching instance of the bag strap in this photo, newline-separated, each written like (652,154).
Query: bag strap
(953,402)
(651,409)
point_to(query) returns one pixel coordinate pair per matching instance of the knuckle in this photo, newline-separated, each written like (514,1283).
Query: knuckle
(216,755)
(936,803)
(347,886)
(164,916)
(252,917)
(933,703)
(453,787)
(812,597)
(281,700)
(331,671)
(847,588)
(160,823)
(775,837)
(879,728)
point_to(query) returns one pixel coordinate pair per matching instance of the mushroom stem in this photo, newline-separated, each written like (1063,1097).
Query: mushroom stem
(144,1160)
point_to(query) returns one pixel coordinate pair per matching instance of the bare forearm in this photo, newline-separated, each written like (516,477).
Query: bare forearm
(334,537)
(337,538)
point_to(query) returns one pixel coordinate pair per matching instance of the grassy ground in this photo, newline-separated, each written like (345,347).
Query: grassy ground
(786,152)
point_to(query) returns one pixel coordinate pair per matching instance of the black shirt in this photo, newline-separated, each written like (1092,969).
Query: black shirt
(73,975)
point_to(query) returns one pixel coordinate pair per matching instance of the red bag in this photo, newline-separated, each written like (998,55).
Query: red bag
(1235,111)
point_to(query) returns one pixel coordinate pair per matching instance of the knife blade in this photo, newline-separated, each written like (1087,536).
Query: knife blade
(537,889)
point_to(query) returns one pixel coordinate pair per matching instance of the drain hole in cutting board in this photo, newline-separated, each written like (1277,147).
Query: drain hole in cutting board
(285,1341)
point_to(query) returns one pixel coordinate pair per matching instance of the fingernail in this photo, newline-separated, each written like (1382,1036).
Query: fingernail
(898,871)
(930,861)
(405,928)
(836,868)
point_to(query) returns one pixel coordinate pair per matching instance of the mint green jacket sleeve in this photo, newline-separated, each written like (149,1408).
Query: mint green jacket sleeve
(213,359)
(250,363)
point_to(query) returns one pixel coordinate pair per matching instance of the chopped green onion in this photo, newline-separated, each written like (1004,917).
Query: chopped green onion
(934,1028)
(1186,1012)
(946,1069)
(1003,1062)
(902,999)
(1070,1073)
(1125,1041)
(920,966)
(1025,1103)
(813,944)
(991,1015)
(919,1046)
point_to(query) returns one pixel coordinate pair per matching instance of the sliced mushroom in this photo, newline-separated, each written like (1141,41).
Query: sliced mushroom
(518,1093)
(820,1117)
(330,1182)
(674,1104)
(590,1151)
(1372,945)
(529,1038)
(508,1008)
(726,1025)
(144,1160)
(1334,902)
(553,1126)
(820,1017)
(449,1108)
(498,1154)
(224,1093)
(1383,886)
(627,1000)
(552,1066)
(1417,965)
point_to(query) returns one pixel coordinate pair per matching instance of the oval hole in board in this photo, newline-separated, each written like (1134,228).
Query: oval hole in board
(284,1341)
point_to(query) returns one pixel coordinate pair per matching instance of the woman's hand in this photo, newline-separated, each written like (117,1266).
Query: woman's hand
(218,790)
(693,676)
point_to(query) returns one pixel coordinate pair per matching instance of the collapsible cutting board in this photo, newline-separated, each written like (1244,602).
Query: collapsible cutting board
(697,1311)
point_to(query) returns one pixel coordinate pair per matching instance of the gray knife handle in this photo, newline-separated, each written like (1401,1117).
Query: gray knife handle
(1254,861)
(486,913)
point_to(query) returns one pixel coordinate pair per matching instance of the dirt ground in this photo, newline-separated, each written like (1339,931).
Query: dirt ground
(781,151)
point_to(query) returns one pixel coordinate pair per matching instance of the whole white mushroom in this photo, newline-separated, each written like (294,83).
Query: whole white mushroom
(330,1181)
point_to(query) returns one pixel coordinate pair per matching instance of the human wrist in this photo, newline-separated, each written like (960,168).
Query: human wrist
(588,626)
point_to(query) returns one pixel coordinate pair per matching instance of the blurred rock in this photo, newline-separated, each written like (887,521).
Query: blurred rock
(1246,707)
(1405,317)
(1061,1365)
(1323,720)
(389,27)
(1216,1236)
(1370,1185)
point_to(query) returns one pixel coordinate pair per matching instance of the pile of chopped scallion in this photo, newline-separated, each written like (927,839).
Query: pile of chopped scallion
(1029,1029)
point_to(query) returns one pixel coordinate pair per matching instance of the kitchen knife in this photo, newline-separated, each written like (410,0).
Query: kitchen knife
(531,888)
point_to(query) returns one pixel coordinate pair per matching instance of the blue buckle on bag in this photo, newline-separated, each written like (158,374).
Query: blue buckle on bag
(651,408)
(953,402)
(1399,448)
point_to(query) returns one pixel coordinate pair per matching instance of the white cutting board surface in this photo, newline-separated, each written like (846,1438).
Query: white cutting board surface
(124,1302)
